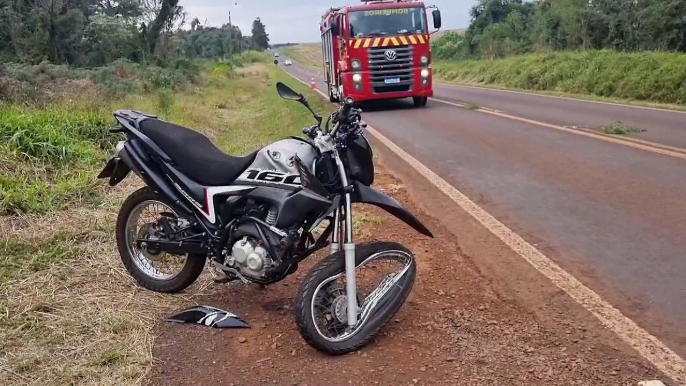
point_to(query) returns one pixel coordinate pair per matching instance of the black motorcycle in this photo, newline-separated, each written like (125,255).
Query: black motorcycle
(255,218)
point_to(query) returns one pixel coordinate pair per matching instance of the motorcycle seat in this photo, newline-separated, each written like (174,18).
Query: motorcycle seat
(194,154)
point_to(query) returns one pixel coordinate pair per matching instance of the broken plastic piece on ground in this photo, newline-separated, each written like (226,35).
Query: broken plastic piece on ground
(209,316)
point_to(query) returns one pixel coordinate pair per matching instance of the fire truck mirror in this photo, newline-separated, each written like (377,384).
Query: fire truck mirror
(276,61)
(437,18)
(335,28)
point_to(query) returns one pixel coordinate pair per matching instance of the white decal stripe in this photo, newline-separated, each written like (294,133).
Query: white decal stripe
(210,214)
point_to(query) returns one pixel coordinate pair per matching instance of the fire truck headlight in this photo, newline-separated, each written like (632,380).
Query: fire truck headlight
(357,78)
(356,64)
(425,73)
(424,59)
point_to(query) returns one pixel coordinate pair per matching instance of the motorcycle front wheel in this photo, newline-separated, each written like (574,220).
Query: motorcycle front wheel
(385,273)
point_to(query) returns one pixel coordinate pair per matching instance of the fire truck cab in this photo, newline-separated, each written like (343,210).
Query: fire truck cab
(378,50)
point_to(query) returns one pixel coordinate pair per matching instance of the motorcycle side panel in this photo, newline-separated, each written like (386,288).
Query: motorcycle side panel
(209,316)
(367,195)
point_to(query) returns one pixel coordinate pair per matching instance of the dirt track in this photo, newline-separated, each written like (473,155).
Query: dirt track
(456,328)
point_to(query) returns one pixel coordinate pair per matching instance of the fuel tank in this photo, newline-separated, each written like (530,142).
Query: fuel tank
(280,156)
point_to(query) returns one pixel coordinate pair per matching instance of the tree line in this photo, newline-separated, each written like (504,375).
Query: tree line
(92,33)
(507,27)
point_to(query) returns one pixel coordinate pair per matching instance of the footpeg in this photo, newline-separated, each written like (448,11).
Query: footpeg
(223,274)
(222,279)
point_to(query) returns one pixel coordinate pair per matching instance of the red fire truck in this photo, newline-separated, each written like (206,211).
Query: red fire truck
(378,50)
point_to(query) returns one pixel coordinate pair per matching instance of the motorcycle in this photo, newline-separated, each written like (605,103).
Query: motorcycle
(253,219)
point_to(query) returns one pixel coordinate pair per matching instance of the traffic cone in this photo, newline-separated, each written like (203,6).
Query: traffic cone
(313,85)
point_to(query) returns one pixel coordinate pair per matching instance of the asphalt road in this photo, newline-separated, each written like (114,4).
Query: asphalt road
(661,126)
(612,215)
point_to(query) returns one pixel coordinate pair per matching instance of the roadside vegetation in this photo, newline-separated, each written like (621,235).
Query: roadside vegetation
(621,50)
(69,313)
(621,128)
(640,76)
(308,54)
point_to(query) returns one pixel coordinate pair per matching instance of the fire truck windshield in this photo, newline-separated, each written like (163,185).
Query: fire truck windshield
(388,21)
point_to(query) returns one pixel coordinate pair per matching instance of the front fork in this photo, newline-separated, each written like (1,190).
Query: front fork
(344,215)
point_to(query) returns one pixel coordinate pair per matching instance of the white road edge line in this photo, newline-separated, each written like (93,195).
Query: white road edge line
(639,339)
(455,85)
(636,144)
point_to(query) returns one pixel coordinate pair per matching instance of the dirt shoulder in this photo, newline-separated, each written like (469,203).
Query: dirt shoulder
(464,323)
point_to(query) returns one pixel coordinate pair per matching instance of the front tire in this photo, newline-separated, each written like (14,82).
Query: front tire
(133,260)
(420,101)
(367,329)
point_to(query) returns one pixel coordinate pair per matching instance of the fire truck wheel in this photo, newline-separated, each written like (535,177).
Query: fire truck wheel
(420,101)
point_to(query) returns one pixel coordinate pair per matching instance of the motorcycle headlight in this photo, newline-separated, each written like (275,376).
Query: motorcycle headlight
(425,73)
(357,78)
(356,64)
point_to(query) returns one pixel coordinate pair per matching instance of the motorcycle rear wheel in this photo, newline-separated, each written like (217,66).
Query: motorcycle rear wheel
(320,302)
(142,264)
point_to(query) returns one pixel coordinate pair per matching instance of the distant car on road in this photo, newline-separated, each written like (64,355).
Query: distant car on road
(276,54)
(287,62)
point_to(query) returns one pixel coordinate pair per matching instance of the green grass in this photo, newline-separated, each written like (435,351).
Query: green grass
(645,76)
(621,128)
(50,155)
(20,257)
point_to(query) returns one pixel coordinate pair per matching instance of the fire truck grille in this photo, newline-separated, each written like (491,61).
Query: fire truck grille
(394,75)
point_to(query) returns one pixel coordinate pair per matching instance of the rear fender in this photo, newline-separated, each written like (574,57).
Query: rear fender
(366,195)
(116,170)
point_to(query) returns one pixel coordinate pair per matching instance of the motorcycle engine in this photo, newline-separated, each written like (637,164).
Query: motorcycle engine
(250,258)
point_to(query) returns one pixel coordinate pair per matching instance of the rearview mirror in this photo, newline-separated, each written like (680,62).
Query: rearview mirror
(276,61)
(437,18)
(286,92)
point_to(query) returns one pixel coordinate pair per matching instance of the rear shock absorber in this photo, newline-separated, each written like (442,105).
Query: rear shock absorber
(271,216)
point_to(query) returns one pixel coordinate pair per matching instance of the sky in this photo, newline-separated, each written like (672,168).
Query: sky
(297,21)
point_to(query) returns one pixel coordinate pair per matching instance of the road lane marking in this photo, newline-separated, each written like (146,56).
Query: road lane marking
(562,97)
(648,346)
(635,140)
(642,145)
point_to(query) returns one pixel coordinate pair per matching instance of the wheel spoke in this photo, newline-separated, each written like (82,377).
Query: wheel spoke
(374,278)
(142,224)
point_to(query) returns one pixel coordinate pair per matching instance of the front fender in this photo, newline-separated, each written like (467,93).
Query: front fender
(366,195)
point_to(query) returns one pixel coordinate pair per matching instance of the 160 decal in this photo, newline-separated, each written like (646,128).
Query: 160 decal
(271,177)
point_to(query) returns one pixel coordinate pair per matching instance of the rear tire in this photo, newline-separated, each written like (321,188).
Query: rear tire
(334,265)
(193,265)
(420,101)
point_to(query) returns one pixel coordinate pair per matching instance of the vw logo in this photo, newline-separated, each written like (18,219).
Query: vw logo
(390,55)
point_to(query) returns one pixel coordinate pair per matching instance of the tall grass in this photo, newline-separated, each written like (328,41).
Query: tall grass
(644,76)
(50,156)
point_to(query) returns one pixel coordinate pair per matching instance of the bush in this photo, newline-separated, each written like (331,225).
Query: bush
(645,76)
(448,46)
(250,57)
